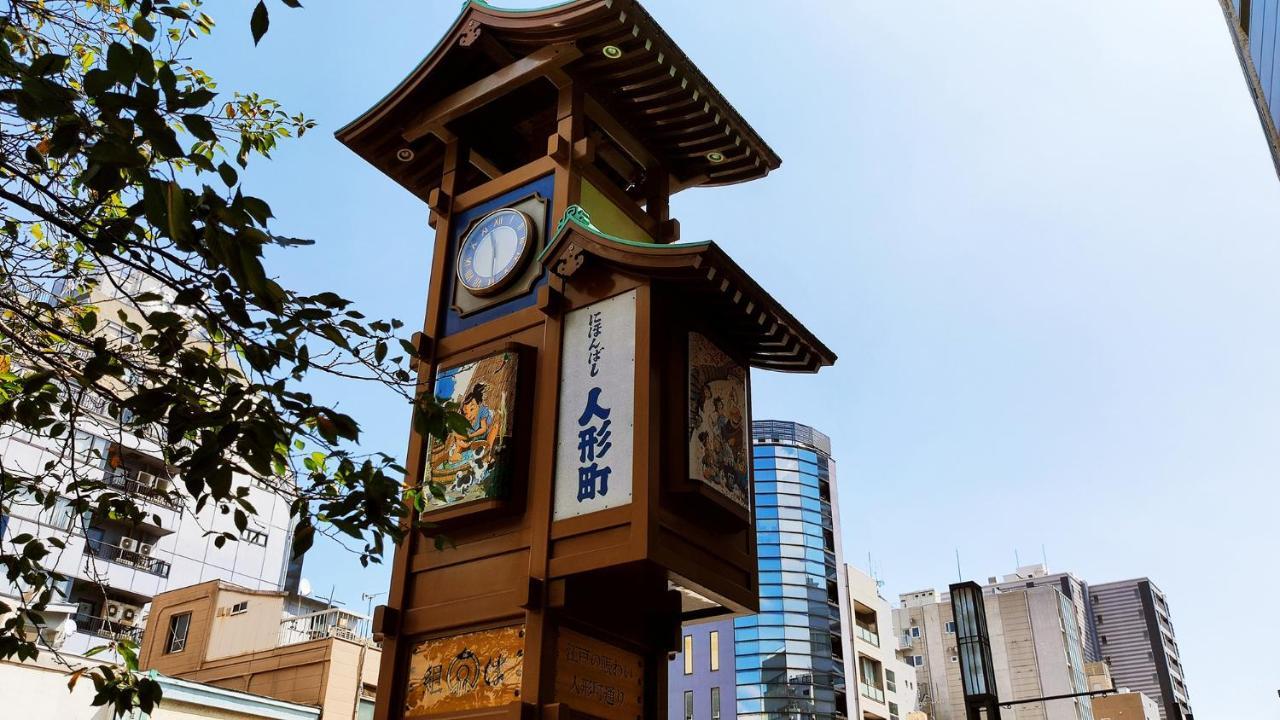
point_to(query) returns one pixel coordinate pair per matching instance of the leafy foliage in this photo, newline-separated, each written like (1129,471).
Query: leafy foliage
(132,287)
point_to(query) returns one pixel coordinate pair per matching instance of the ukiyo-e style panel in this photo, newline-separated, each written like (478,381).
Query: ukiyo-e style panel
(476,464)
(465,672)
(719,448)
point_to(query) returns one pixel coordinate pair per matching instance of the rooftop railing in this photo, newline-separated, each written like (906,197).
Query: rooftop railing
(331,623)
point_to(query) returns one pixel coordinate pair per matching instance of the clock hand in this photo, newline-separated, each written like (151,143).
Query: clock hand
(493,256)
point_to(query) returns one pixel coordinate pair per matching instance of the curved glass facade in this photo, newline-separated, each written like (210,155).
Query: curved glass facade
(790,658)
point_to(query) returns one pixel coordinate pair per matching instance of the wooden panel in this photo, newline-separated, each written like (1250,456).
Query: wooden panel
(598,678)
(465,672)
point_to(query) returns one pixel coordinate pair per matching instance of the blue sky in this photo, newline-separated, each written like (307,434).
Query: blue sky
(1042,236)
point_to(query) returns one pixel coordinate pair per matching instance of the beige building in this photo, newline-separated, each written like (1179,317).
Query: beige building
(38,689)
(245,640)
(1036,646)
(886,684)
(1125,706)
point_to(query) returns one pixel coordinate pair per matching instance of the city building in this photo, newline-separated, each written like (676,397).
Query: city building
(1125,706)
(1037,647)
(886,684)
(792,659)
(1136,635)
(114,568)
(1254,25)
(38,689)
(247,640)
(701,680)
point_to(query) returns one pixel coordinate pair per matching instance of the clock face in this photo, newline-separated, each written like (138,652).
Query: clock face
(494,250)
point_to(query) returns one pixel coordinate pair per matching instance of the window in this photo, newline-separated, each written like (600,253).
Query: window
(715,651)
(890,681)
(715,703)
(893,711)
(688,703)
(915,660)
(240,608)
(951,628)
(1104,639)
(688,670)
(955,658)
(178,627)
(915,631)
(254,537)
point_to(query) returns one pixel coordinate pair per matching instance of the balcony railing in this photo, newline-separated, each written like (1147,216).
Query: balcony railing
(135,482)
(331,623)
(130,558)
(868,634)
(871,692)
(102,628)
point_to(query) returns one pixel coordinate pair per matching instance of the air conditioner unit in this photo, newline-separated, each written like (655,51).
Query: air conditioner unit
(114,610)
(129,614)
(163,484)
(144,549)
(128,544)
(146,478)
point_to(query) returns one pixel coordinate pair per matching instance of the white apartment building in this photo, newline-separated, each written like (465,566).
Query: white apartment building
(113,568)
(886,684)
(1036,644)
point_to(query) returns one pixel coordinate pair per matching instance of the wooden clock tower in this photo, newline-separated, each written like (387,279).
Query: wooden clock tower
(601,492)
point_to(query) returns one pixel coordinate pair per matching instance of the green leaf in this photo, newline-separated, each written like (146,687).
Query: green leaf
(259,22)
(200,127)
(179,227)
(228,174)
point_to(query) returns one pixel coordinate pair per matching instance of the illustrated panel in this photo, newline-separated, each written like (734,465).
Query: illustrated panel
(719,446)
(474,462)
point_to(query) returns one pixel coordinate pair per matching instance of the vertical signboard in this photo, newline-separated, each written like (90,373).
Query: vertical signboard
(598,678)
(597,408)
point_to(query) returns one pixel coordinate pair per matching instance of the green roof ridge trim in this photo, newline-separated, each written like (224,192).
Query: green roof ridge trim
(579,216)
(540,8)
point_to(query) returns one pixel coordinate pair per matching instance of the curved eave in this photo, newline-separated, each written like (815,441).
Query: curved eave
(770,336)
(654,90)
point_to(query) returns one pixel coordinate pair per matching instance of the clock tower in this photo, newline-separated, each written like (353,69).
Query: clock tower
(601,490)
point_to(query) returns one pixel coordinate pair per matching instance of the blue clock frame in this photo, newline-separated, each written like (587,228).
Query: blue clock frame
(462,222)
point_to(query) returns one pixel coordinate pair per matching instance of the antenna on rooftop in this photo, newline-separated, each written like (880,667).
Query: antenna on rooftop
(959,575)
(1044,557)
(1017,561)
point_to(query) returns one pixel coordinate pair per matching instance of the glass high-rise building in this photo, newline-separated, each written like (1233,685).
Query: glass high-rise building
(789,661)
(1255,28)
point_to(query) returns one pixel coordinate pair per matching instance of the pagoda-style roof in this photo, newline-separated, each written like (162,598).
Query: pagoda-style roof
(772,338)
(612,48)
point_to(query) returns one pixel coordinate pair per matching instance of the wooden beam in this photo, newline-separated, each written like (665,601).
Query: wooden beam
(476,95)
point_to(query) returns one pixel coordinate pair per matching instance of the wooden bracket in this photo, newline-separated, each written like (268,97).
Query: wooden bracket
(570,262)
(532,599)
(556,592)
(558,148)
(669,231)
(439,201)
(584,150)
(550,301)
(422,346)
(470,34)
(386,621)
